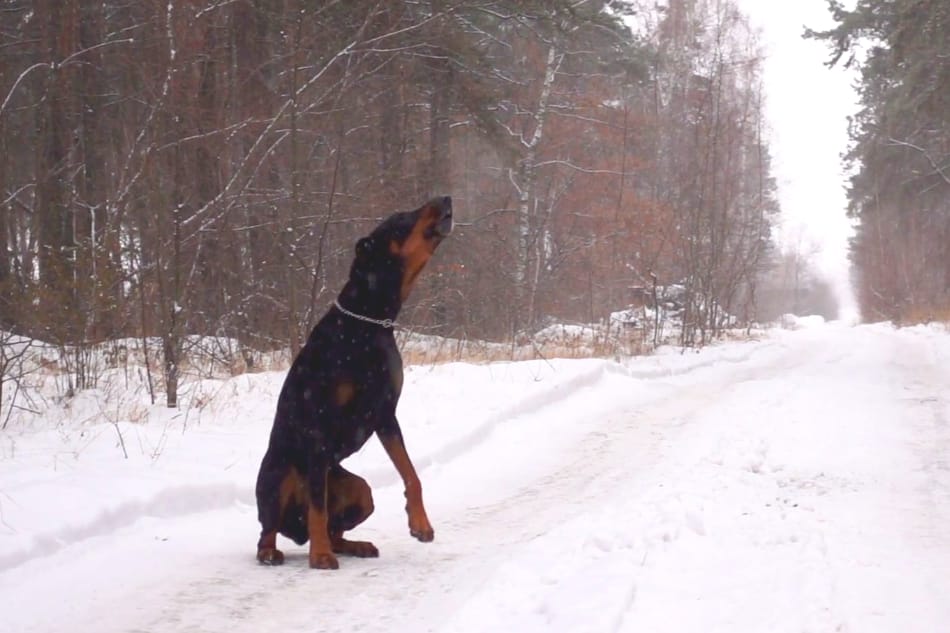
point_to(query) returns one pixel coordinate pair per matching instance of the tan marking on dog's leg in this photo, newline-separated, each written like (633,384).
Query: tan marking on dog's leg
(290,488)
(321,552)
(267,552)
(419,525)
(351,503)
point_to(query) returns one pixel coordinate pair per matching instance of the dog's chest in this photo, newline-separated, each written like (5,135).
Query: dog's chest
(393,362)
(366,399)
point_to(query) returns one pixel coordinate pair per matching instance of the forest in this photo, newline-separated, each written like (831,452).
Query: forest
(899,192)
(179,168)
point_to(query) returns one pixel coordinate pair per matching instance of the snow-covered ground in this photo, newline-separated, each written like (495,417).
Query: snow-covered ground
(796,483)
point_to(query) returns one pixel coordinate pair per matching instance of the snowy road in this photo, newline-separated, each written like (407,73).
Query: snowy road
(798,483)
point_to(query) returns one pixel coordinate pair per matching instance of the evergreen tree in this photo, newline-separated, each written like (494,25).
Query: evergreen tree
(900,152)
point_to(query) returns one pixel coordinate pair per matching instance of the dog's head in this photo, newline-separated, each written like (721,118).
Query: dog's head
(389,259)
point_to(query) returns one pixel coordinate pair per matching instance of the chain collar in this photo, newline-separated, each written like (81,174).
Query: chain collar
(387,323)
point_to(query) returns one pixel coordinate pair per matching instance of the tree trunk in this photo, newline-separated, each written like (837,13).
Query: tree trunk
(524,181)
(59,31)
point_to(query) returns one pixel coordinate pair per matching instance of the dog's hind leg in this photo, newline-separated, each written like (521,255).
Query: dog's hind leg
(273,490)
(349,502)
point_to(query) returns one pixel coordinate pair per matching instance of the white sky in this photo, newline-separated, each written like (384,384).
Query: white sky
(807,109)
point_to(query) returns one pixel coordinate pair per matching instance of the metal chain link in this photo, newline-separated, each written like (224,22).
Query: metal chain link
(388,323)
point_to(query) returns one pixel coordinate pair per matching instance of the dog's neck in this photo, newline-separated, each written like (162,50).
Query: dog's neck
(369,304)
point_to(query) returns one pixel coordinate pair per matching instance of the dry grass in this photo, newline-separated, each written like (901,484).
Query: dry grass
(915,315)
(568,343)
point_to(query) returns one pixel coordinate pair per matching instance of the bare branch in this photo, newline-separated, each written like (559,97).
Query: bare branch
(943,172)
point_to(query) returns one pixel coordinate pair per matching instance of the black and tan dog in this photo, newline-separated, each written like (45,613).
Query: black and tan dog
(343,387)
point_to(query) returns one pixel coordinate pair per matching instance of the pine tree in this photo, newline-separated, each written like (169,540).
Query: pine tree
(900,152)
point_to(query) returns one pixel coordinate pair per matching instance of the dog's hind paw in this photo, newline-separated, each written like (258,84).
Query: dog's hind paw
(360,549)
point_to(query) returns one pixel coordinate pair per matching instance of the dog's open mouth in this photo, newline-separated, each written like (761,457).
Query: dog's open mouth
(443,226)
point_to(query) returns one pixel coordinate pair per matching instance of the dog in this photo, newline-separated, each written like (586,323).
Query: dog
(343,387)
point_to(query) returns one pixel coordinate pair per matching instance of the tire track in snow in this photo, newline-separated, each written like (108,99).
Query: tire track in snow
(562,391)
(179,501)
(486,536)
(168,503)
(617,453)
(929,386)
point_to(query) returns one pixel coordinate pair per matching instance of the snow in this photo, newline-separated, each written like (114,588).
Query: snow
(800,482)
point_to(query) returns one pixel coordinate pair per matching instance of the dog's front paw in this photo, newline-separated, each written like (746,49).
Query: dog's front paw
(270,556)
(422,530)
(324,560)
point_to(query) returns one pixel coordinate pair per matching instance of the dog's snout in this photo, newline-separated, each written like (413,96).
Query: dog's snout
(444,206)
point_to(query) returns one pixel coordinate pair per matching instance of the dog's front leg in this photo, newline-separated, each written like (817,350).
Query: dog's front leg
(419,526)
(321,552)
